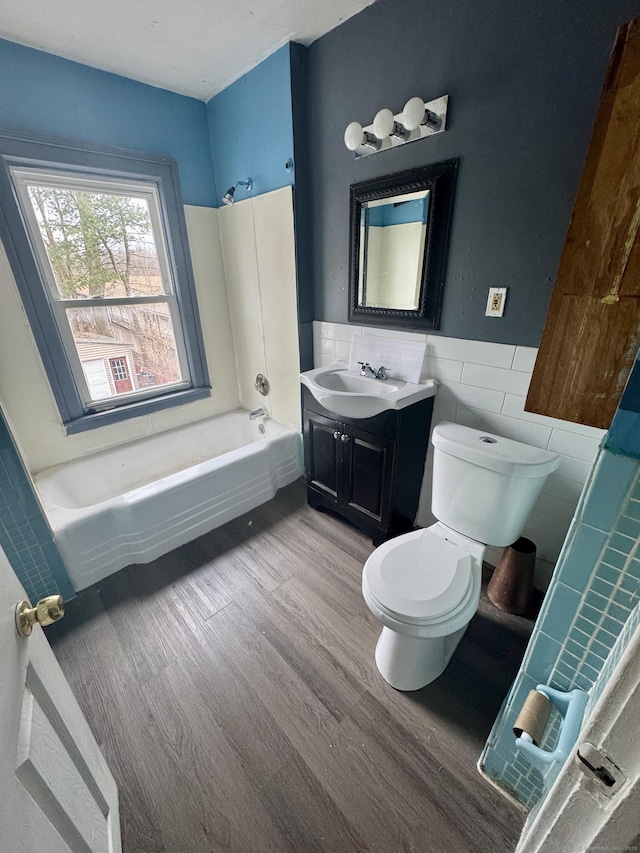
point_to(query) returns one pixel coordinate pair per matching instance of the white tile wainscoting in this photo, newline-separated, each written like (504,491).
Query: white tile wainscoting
(484,385)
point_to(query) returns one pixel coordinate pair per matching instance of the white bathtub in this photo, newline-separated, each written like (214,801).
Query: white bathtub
(134,502)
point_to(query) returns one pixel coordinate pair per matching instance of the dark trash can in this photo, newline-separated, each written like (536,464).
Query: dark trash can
(511,585)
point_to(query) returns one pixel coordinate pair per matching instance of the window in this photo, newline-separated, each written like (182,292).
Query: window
(101,260)
(119,368)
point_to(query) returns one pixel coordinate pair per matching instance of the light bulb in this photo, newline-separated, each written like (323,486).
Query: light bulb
(383,124)
(413,113)
(354,136)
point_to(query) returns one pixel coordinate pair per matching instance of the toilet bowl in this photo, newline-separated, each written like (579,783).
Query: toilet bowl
(424,586)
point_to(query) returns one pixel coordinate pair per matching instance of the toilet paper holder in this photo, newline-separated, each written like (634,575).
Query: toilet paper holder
(571,705)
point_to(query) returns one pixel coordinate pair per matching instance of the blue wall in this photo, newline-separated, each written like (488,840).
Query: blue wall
(251,128)
(400,214)
(44,94)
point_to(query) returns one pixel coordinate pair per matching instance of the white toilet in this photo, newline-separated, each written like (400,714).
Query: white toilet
(425,586)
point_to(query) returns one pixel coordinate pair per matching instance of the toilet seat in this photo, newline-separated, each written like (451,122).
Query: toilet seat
(421,578)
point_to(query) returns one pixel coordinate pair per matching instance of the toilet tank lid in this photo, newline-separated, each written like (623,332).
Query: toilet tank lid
(493,451)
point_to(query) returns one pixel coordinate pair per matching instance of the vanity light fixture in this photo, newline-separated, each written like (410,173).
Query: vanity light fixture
(229,196)
(417,120)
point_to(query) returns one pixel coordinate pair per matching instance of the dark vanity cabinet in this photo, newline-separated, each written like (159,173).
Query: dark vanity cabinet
(368,470)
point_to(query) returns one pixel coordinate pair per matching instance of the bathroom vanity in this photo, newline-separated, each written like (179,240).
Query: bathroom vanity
(369,469)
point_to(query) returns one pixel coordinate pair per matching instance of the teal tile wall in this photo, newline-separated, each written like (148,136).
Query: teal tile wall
(588,611)
(631,625)
(25,536)
(624,434)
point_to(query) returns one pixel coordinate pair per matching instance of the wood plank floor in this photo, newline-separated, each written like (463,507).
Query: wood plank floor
(232,688)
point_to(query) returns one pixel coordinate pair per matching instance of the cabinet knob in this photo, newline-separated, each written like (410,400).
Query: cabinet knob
(344,437)
(336,435)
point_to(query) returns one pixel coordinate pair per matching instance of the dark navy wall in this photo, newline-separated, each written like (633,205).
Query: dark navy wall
(44,94)
(524,81)
(251,128)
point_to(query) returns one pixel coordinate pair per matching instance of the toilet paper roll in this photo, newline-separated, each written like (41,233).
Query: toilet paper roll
(533,717)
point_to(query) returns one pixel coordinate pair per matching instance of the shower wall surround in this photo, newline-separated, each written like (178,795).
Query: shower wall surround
(483,385)
(260,268)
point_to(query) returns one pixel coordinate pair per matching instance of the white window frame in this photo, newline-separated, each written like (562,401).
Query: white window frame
(74,165)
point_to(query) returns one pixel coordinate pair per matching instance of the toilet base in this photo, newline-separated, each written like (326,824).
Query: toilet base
(409,663)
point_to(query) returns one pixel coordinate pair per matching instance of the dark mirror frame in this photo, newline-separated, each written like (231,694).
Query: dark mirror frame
(439,179)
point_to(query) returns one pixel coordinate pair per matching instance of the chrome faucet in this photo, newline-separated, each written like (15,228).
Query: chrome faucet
(367,370)
(256,413)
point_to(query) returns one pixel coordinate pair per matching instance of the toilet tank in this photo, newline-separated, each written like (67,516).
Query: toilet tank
(485,486)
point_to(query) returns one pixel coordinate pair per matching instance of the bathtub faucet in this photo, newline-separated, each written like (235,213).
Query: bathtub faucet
(256,413)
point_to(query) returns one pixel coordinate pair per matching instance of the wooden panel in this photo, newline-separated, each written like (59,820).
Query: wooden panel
(592,331)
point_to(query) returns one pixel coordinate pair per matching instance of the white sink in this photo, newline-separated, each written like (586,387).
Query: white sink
(347,393)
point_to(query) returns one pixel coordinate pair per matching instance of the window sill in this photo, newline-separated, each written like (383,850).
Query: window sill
(135,410)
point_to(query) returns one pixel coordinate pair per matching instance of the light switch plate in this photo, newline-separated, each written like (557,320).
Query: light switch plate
(495,302)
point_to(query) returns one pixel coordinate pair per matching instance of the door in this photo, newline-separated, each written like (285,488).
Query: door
(322,454)
(367,474)
(56,792)
(96,375)
(121,375)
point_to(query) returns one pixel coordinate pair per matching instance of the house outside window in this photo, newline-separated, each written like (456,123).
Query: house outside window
(104,278)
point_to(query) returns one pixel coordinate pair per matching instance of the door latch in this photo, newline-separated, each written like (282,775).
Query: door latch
(596,765)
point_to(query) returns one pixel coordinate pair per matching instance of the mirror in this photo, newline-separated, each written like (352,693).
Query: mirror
(399,237)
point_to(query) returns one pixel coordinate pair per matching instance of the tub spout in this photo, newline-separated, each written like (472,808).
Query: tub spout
(256,413)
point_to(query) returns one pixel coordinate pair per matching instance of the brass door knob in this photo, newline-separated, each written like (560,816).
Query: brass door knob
(46,611)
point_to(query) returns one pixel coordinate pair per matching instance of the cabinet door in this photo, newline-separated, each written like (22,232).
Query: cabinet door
(322,453)
(367,474)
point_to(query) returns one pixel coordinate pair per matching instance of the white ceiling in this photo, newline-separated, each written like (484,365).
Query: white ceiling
(194,47)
